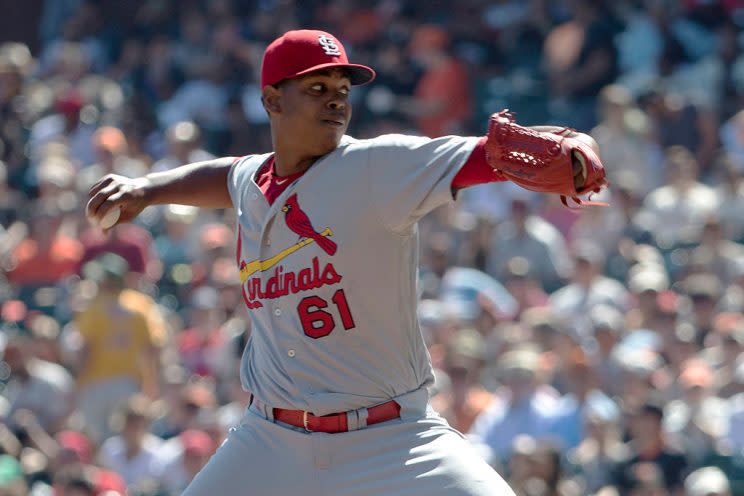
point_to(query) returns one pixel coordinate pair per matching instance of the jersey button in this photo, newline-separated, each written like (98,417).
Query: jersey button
(255,196)
(291,353)
(277,312)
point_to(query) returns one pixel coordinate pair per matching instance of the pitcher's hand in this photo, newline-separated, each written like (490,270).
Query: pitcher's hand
(114,191)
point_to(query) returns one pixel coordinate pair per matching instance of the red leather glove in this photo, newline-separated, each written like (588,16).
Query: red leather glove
(543,161)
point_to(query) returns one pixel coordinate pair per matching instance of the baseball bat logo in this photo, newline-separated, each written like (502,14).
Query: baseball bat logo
(283,282)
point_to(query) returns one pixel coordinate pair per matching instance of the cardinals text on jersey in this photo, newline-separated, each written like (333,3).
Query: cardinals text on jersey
(315,321)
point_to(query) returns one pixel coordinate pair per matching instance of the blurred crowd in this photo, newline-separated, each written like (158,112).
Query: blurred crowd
(591,353)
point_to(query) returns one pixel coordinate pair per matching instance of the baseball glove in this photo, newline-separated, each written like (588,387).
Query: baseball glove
(543,161)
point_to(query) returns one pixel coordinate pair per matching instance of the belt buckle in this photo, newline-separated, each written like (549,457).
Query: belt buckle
(304,421)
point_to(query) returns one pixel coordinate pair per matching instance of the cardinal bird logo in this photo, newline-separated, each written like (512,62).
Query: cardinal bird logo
(299,222)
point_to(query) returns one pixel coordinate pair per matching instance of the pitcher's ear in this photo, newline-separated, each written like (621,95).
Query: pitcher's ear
(271,98)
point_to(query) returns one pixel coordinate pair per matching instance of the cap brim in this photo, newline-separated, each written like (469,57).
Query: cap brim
(359,74)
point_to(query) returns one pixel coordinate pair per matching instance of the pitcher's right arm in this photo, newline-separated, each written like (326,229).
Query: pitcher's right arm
(200,184)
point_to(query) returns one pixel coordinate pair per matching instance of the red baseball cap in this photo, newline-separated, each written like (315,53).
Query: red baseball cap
(76,444)
(299,52)
(197,442)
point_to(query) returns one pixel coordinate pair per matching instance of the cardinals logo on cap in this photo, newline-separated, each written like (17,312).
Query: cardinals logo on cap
(329,45)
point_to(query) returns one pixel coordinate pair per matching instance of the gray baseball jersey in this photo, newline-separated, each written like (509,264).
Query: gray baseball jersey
(328,272)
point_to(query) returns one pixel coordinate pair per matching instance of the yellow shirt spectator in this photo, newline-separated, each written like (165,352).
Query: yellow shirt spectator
(144,304)
(117,341)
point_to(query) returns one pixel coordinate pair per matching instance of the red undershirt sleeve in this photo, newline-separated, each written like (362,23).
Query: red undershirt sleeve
(476,170)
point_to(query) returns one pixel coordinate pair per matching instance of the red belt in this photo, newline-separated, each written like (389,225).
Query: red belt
(335,422)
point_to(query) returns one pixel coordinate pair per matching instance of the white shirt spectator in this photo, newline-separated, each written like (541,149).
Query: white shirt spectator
(136,470)
(576,300)
(502,422)
(628,155)
(541,244)
(676,215)
(47,393)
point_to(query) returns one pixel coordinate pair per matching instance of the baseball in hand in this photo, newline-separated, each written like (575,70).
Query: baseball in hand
(580,178)
(110,219)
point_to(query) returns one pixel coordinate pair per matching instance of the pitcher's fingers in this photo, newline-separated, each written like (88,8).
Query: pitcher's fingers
(95,202)
(100,184)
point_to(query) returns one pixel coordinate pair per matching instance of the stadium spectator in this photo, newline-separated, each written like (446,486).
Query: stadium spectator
(523,407)
(648,451)
(117,355)
(132,451)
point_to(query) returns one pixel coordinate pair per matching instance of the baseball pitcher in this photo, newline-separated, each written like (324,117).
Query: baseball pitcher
(327,256)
